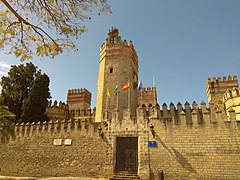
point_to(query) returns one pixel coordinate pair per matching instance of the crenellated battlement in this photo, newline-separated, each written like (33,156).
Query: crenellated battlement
(148,89)
(84,126)
(173,112)
(79,98)
(147,96)
(125,43)
(191,113)
(57,111)
(222,79)
(231,93)
(182,115)
(216,87)
(82,113)
(232,101)
(78,91)
(55,104)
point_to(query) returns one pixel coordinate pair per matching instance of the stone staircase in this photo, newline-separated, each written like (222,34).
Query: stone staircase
(124,176)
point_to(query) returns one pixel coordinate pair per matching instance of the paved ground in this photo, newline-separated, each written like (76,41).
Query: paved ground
(52,178)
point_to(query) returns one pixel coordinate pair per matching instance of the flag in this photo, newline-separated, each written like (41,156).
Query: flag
(116,90)
(108,92)
(126,87)
(140,85)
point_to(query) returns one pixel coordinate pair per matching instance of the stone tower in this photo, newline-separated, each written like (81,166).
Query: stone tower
(216,88)
(118,66)
(232,102)
(79,99)
(147,96)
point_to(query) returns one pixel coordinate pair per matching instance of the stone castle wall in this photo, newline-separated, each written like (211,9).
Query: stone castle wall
(51,149)
(196,147)
(189,144)
(182,142)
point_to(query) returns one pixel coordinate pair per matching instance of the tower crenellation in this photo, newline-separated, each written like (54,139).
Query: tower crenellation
(79,98)
(231,93)
(215,88)
(232,102)
(220,79)
(147,96)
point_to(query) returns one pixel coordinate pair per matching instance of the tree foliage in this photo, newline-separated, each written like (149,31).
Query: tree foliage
(44,27)
(18,87)
(34,106)
(6,125)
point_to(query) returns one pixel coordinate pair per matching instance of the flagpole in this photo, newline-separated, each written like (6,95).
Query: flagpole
(107,104)
(154,93)
(141,98)
(129,94)
(116,97)
(117,101)
(155,96)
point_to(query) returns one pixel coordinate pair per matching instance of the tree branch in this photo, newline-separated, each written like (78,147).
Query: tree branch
(27,23)
(14,12)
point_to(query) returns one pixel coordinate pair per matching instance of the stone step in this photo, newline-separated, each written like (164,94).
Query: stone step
(124,176)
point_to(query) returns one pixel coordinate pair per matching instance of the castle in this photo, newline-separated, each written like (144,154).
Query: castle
(128,135)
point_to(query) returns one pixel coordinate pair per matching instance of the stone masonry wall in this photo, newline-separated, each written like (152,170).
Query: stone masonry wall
(190,145)
(206,150)
(36,155)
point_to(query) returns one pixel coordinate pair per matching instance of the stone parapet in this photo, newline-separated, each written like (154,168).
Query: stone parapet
(57,111)
(189,114)
(85,126)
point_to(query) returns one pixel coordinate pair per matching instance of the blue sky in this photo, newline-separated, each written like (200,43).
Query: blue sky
(179,42)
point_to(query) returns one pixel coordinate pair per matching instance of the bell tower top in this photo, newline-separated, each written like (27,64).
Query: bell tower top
(113,37)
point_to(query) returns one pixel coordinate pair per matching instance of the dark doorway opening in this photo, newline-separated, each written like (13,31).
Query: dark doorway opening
(127,154)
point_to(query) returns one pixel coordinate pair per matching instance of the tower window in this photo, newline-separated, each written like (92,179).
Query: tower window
(111,70)
(113,40)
